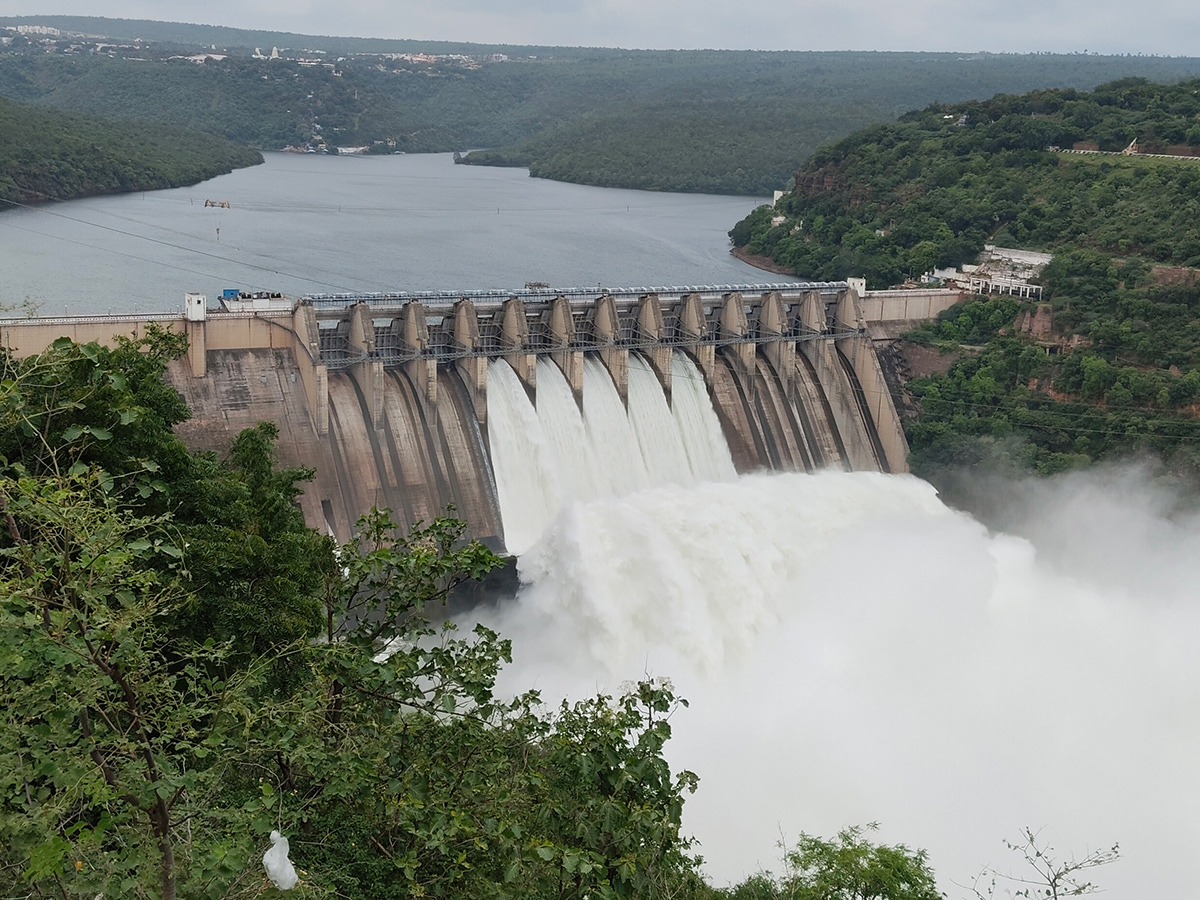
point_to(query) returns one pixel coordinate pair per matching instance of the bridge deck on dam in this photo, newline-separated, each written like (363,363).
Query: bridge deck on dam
(386,395)
(553,321)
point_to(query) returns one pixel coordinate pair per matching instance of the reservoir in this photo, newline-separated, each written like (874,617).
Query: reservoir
(309,223)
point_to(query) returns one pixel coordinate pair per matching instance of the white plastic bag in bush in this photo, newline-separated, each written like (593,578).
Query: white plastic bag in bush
(279,868)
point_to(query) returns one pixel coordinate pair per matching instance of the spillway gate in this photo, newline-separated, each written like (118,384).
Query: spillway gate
(448,326)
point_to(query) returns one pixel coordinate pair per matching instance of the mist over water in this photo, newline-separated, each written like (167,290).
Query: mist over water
(855,651)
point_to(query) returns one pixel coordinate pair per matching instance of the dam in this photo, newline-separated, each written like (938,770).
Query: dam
(423,401)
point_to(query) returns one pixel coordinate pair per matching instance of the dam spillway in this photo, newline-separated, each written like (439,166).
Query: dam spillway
(471,400)
(552,453)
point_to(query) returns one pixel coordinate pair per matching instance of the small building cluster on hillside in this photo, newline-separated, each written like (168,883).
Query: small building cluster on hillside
(1000,270)
(1136,148)
(71,43)
(43,30)
(54,40)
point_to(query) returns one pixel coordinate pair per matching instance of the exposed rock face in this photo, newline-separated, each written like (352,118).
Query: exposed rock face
(1037,323)
(1175,275)
(811,184)
(829,180)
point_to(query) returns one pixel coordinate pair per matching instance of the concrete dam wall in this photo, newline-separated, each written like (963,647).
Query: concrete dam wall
(388,397)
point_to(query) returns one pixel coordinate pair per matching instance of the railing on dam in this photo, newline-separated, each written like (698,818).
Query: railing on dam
(485,298)
(400,327)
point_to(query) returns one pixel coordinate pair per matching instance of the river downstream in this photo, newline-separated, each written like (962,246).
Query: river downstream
(310,224)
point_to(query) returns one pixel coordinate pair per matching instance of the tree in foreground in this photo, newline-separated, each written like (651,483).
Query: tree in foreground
(848,867)
(143,755)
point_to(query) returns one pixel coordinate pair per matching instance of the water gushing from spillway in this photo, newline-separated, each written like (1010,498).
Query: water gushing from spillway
(610,433)
(551,455)
(527,477)
(703,441)
(854,651)
(657,431)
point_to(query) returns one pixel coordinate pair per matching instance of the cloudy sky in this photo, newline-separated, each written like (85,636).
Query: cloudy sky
(1165,27)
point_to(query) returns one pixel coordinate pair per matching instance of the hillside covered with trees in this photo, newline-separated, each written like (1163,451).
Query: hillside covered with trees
(243,40)
(709,121)
(742,122)
(49,154)
(1122,371)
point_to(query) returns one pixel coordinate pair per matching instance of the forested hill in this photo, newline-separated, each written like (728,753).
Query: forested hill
(48,154)
(716,121)
(897,200)
(742,122)
(1124,287)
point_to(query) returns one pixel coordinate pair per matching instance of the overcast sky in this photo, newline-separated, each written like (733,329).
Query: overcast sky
(1166,27)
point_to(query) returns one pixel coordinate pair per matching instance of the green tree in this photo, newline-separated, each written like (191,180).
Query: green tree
(256,572)
(117,740)
(121,733)
(850,867)
(141,756)
(84,405)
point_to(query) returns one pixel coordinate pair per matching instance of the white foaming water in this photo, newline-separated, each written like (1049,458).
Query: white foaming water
(580,475)
(550,457)
(699,427)
(854,651)
(656,429)
(614,444)
(526,476)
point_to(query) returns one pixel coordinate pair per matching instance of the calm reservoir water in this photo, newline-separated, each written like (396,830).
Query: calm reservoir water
(308,224)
